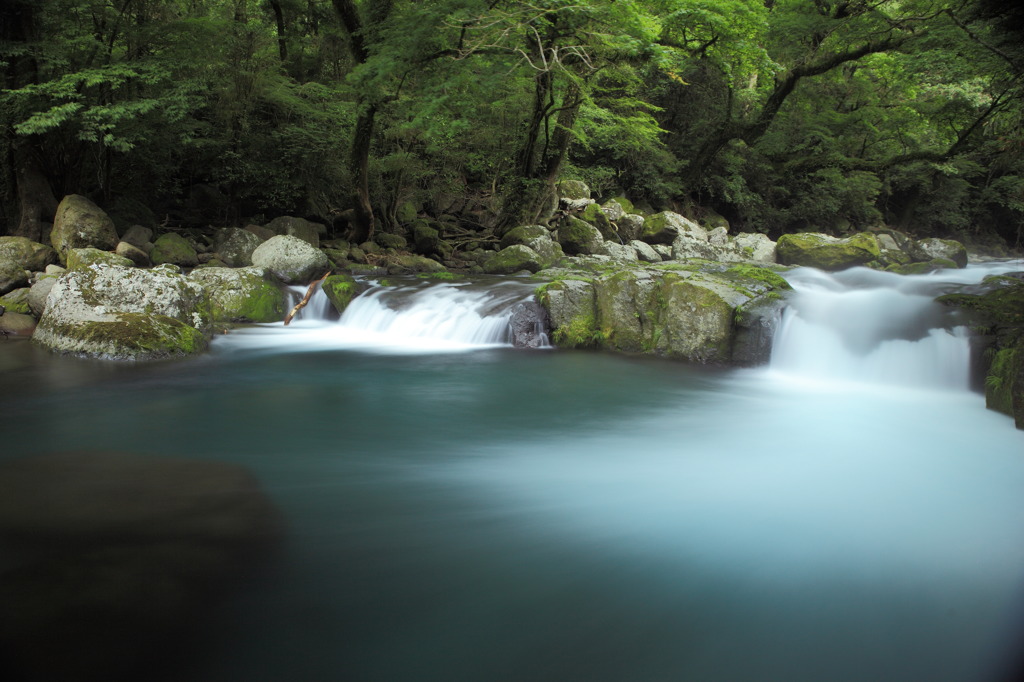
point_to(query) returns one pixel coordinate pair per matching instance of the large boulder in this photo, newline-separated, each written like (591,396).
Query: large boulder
(410,263)
(292,260)
(825,252)
(241,294)
(537,238)
(579,237)
(235,246)
(26,253)
(754,246)
(80,223)
(512,259)
(666,227)
(175,249)
(305,230)
(122,313)
(631,226)
(930,249)
(706,313)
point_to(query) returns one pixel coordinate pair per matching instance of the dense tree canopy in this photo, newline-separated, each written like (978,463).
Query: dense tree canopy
(780,115)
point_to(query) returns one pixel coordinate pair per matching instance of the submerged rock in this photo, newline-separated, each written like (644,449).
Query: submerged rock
(119,556)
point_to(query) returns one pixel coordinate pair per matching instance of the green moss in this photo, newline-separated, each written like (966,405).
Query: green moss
(15,306)
(340,290)
(581,332)
(764,275)
(442,276)
(134,336)
(922,268)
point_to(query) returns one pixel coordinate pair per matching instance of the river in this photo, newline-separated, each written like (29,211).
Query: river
(460,510)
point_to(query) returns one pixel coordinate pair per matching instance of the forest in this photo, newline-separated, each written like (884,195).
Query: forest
(779,115)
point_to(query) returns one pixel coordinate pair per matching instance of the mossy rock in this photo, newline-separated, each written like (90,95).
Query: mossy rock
(512,259)
(572,189)
(241,294)
(340,290)
(594,215)
(391,241)
(579,237)
(128,336)
(772,279)
(825,252)
(408,263)
(524,234)
(175,249)
(16,301)
(83,258)
(922,268)
(26,254)
(1004,384)
(931,248)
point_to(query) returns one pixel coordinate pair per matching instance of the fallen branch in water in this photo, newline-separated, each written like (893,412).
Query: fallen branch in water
(305,299)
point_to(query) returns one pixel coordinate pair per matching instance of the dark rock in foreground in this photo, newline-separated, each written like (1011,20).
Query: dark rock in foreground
(118,559)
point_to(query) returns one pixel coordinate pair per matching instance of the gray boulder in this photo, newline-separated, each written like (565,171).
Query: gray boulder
(931,249)
(754,246)
(235,246)
(631,226)
(28,254)
(645,251)
(133,253)
(80,223)
(122,313)
(666,227)
(529,325)
(139,236)
(39,292)
(290,259)
(305,230)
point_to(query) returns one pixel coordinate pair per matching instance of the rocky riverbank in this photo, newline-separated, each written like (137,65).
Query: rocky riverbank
(617,278)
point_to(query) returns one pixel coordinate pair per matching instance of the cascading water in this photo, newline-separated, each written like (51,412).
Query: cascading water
(873,327)
(412,317)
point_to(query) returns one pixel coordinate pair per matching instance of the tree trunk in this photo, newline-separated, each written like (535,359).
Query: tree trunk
(364,224)
(38,205)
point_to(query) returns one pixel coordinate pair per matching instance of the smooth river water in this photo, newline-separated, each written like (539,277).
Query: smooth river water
(459,510)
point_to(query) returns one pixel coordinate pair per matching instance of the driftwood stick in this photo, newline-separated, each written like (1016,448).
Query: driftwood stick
(305,299)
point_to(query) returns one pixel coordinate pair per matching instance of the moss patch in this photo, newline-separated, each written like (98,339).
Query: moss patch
(340,290)
(770,278)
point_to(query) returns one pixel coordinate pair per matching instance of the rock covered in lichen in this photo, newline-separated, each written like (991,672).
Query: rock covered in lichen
(175,249)
(83,258)
(122,313)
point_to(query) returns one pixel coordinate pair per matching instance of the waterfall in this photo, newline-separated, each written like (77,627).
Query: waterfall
(873,327)
(414,316)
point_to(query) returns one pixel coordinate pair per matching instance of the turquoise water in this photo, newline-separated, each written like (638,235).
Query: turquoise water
(495,514)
